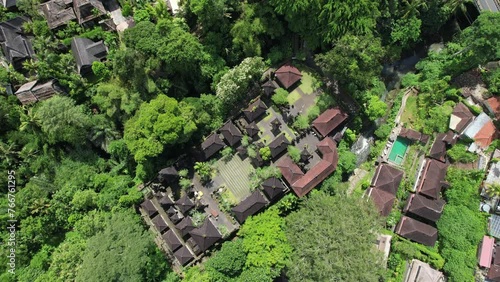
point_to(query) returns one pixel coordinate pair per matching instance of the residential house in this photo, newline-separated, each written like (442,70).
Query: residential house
(231,133)
(269,87)
(212,145)
(250,206)
(168,175)
(485,252)
(288,75)
(148,207)
(414,135)
(252,129)
(328,121)
(185,226)
(171,240)
(417,231)
(160,224)
(494,271)
(278,145)
(303,183)
(432,178)
(184,255)
(382,199)
(206,235)
(273,188)
(424,207)
(87,10)
(35,91)
(460,118)
(58,12)
(16,46)
(384,186)
(255,110)
(419,271)
(493,106)
(481,130)
(85,52)
(442,142)
(184,204)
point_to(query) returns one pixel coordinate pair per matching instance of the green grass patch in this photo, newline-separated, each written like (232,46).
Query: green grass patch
(307,83)
(293,97)
(268,117)
(228,196)
(410,114)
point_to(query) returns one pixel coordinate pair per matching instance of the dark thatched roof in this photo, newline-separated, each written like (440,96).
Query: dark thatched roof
(231,133)
(58,12)
(269,87)
(149,208)
(206,235)
(255,110)
(288,75)
(172,240)
(249,206)
(329,120)
(424,207)
(383,200)
(252,129)
(273,188)
(417,231)
(278,145)
(185,226)
(212,145)
(86,51)
(165,202)
(387,178)
(432,178)
(16,46)
(183,255)
(160,223)
(184,204)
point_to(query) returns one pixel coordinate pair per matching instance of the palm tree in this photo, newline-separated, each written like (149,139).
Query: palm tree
(8,152)
(30,121)
(101,135)
(412,7)
(493,189)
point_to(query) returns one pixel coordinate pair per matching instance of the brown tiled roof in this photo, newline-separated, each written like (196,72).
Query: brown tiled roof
(149,208)
(206,235)
(273,188)
(183,255)
(212,145)
(302,184)
(185,226)
(255,110)
(383,200)
(184,204)
(432,178)
(288,75)
(160,223)
(410,134)
(290,171)
(494,273)
(252,129)
(249,206)
(387,178)
(438,149)
(424,207)
(278,145)
(417,231)
(493,104)
(172,240)
(460,117)
(231,133)
(329,121)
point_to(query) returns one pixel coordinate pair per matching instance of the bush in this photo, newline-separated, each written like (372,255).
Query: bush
(280,97)
(294,153)
(313,113)
(126,10)
(383,131)
(183,173)
(301,122)
(227,153)
(185,183)
(265,153)
(459,153)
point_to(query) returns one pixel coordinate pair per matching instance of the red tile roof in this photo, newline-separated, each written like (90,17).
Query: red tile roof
(486,135)
(329,120)
(383,200)
(288,75)
(485,252)
(303,183)
(494,106)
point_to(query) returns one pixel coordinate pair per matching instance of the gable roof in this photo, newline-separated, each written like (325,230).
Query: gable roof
(278,145)
(185,225)
(486,135)
(206,235)
(438,149)
(493,105)
(86,51)
(269,86)
(303,183)
(273,188)
(165,202)
(15,45)
(387,178)
(383,200)
(87,10)
(168,174)
(160,223)
(255,110)
(329,120)
(58,12)
(417,231)
(424,207)
(287,75)
(249,206)
(172,240)
(422,272)
(432,178)
(184,204)
(183,255)
(485,251)
(460,118)
(212,145)
(149,208)
(231,133)
(252,129)
(35,91)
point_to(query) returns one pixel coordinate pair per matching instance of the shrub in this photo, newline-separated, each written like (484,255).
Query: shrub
(383,131)
(294,153)
(265,153)
(280,97)
(301,122)
(185,183)
(459,153)
(183,173)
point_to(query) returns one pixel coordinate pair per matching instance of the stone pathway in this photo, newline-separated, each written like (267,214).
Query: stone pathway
(357,176)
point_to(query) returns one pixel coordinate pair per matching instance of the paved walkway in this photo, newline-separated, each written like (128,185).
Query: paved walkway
(357,176)
(408,92)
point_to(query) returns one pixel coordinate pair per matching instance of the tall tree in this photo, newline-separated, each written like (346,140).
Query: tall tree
(333,240)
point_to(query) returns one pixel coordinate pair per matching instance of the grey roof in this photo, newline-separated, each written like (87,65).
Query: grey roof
(206,235)
(87,10)
(249,206)
(58,12)
(15,45)
(488,5)
(86,51)
(184,204)
(185,225)
(493,174)
(252,129)
(212,145)
(183,255)
(165,202)
(274,188)
(494,226)
(476,125)
(231,133)
(149,208)
(255,110)
(9,3)
(278,145)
